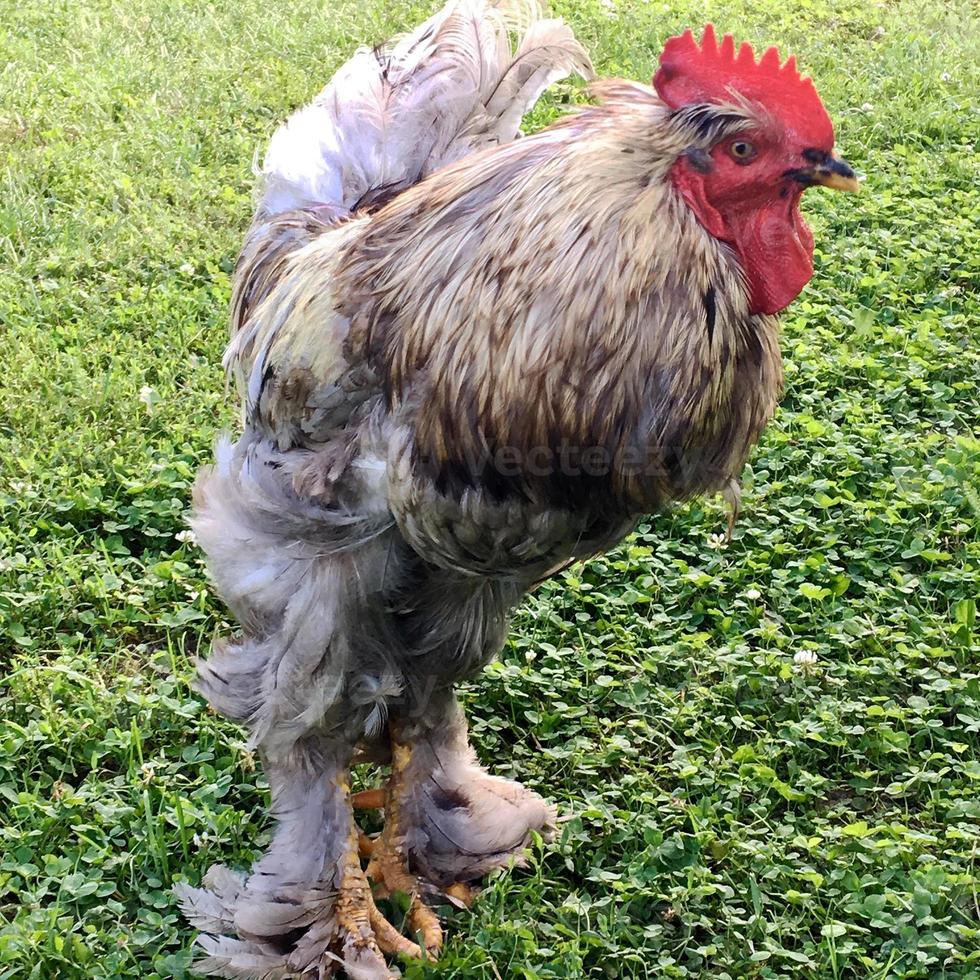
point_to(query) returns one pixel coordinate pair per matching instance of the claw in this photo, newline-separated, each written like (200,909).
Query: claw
(461,894)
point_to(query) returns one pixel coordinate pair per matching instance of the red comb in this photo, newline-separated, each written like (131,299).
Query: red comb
(690,73)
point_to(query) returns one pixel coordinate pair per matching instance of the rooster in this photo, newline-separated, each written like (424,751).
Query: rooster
(466,359)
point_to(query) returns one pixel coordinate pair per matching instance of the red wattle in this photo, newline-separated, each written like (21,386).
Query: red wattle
(776,251)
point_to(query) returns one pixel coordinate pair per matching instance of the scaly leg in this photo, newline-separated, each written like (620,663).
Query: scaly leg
(306,910)
(447,821)
(389,866)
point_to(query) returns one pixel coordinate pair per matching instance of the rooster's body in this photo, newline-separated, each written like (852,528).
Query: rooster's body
(452,385)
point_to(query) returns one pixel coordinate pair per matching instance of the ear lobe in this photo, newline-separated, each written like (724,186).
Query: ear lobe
(690,183)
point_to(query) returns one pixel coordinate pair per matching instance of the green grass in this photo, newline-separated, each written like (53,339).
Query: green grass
(731,812)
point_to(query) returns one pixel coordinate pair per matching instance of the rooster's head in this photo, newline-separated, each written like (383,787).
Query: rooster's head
(760,137)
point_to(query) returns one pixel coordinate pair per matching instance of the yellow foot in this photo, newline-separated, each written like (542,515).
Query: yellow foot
(388,870)
(388,864)
(316,929)
(357,914)
(447,822)
(357,935)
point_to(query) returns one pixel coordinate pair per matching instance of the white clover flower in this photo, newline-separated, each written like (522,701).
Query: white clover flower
(187,536)
(753,594)
(805,661)
(149,396)
(717,541)
(187,269)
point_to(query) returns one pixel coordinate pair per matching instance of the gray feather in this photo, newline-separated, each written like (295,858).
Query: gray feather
(240,960)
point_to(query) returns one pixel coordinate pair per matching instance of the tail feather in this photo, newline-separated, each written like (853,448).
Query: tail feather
(548,52)
(391,116)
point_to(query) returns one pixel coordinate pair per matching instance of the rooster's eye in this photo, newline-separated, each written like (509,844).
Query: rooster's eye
(742,151)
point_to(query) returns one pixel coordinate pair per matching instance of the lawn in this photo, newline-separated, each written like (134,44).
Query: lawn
(767,754)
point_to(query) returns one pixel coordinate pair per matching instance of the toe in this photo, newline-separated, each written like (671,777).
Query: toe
(368,799)
(425,923)
(389,939)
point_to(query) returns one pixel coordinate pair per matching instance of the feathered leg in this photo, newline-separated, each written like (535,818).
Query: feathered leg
(306,908)
(447,821)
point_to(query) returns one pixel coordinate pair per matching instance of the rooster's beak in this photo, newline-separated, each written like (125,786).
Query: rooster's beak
(826,170)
